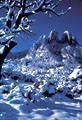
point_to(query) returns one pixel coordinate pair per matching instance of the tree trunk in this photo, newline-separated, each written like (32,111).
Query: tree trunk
(5,53)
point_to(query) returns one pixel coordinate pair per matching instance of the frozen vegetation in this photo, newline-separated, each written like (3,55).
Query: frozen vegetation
(45,83)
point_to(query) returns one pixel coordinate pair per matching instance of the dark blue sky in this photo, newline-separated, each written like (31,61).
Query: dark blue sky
(72,21)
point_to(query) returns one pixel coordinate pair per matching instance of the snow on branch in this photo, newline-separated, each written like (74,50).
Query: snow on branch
(45,6)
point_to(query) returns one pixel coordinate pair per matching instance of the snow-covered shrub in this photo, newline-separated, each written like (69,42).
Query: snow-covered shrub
(47,88)
(30,78)
(4,89)
(70,94)
(14,92)
(30,93)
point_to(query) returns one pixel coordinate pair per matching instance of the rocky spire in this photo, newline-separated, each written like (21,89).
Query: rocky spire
(68,38)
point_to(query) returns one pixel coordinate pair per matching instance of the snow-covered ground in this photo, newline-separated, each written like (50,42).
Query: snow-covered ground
(46,83)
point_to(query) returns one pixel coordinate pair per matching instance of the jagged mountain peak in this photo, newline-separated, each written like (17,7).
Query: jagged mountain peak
(52,43)
(67,47)
(66,39)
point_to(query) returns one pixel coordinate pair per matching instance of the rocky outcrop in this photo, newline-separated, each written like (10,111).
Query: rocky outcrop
(53,36)
(52,42)
(68,38)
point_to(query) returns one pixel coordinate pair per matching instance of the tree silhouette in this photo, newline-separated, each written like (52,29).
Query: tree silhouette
(16,20)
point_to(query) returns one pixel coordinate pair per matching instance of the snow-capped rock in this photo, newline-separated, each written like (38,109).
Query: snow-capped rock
(68,38)
(53,36)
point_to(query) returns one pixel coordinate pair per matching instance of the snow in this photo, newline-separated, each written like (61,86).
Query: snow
(76,73)
(42,84)
(2,49)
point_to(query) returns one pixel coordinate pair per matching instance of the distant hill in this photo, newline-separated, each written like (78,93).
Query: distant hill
(17,55)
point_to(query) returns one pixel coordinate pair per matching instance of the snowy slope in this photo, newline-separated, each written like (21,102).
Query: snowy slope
(47,82)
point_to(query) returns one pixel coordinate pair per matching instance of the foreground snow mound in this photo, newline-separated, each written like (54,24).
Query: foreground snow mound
(50,68)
